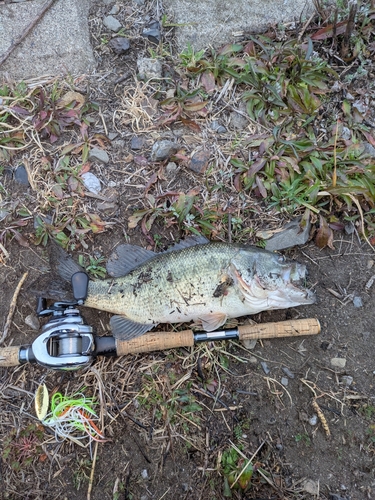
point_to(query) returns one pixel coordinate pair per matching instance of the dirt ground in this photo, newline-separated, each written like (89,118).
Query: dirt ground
(170,417)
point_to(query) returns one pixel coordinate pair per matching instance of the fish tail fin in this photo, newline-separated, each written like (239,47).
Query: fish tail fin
(51,287)
(62,263)
(57,284)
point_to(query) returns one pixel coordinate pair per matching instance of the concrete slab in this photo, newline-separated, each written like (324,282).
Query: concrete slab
(214,22)
(59,43)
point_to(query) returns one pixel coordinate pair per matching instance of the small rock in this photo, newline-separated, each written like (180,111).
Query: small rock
(349,228)
(311,487)
(336,87)
(349,96)
(253,360)
(32,321)
(265,367)
(144,474)
(99,155)
(250,344)
(218,128)
(370,263)
(284,381)
(153,35)
(152,32)
(290,236)
(112,184)
(287,372)
(162,150)
(91,182)
(279,447)
(313,420)
(338,362)
(115,10)
(347,380)
(369,149)
(171,169)
(20,175)
(112,135)
(119,45)
(138,142)
(199,161)
(238,121)
(139,2)
(118,143)
(112,23)
(149,68)
(357,301)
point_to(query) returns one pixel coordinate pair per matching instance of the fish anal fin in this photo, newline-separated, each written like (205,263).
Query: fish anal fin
(212,321)
(125,258)
(126,329)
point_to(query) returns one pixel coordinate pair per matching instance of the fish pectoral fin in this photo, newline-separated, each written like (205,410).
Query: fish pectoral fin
(211,322)
(125,258)
(126,329)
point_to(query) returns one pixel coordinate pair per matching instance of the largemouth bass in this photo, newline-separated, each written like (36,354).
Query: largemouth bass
(205,283)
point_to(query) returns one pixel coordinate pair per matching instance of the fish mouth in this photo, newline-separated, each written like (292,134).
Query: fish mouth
(294,278)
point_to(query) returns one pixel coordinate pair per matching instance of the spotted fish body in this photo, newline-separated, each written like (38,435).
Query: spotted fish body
(206,283)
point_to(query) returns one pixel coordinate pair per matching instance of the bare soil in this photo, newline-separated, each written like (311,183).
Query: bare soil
(157,448)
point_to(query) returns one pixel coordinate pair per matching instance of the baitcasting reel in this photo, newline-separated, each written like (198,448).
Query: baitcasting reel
(66,342)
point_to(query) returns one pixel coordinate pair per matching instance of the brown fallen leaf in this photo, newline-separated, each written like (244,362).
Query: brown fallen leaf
(324,235)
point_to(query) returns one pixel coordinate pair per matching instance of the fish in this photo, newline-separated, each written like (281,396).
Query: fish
(204,282)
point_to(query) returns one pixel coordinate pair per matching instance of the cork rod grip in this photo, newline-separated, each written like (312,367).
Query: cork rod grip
(155,341)
(290,328)
(9,356)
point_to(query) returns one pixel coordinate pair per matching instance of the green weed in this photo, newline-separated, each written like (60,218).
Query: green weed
(303,438)
(92,266)
(237,471)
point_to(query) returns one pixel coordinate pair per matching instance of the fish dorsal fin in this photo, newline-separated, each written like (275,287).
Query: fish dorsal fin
(126,258)
(191,241)
(125,329)
(211,322)
(62,263)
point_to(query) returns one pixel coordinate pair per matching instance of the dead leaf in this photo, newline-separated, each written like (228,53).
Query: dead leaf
(328,31)
(70,97)
(324,235)
(208,81)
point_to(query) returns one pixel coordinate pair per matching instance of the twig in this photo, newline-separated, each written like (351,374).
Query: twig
(91,480)
(15,44)
(12,308)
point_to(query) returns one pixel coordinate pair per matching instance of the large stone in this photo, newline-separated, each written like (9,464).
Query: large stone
(214,22)
(58,44)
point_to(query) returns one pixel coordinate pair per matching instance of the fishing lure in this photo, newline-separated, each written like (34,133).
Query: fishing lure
(72,418)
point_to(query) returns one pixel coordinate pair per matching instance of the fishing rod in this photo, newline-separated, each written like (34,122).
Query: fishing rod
(66,342)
